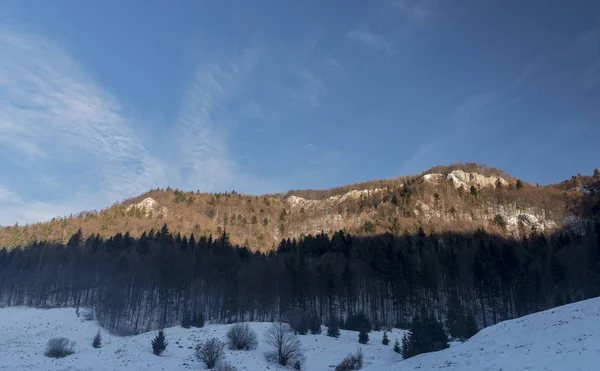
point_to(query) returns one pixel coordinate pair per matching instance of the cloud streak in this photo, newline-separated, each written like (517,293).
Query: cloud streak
(308,91)
(203,125)
(371,39)
(55,119)
(414,10)
(67,144)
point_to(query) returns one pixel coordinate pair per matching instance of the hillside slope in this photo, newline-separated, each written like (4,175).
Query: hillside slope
(459,197)
(564,338)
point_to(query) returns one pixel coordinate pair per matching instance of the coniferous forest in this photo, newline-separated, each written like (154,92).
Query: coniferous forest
(136,285)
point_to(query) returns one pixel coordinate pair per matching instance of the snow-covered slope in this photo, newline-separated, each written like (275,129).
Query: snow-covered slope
(25,331)
(565,338)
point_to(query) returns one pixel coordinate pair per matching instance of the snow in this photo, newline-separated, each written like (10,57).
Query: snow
(564,338)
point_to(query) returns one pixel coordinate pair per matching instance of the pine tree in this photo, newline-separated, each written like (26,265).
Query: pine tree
(315,323)
(385,340)
(426,334)
(159,343)
(455,317)
(407,350)
(186,321)
(333,329)
(396,346)
(97,343)
(437,335)
(473,191)
(519,184)
(198,320)
(363,336)
(470,326)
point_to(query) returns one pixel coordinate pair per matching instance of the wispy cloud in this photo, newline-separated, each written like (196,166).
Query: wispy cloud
(17,210)
(327,63)
(414,10)
(206,159)
(469,112)
(203,125)
(425,155)
(308,89)
(55,119)
(374,40)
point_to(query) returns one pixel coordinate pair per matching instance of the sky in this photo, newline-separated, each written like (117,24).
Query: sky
(104,100)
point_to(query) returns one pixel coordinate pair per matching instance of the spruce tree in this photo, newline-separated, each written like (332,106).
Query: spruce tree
(363,336)
(470,326)
(333,329)
(198,320)
(186,321)
(455,317)
(97,343)
(396,346)
(407,350)
(473,191)
(426,334)
(159,343)
(385,340)
(519,184)
(437,334)
(315,323)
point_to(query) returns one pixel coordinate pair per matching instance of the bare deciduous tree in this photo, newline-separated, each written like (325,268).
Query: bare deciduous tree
(286,348)
(241,337)
(351,362)
(59,348)
(210,352)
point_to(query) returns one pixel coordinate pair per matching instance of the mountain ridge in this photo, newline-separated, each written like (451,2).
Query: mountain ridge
(457,197)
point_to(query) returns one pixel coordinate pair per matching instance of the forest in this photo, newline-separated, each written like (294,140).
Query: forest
(159,279)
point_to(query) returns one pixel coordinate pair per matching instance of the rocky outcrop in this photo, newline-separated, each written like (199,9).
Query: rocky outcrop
(296,201)
(432,178)
(512,216)
(148,207)
(460,179)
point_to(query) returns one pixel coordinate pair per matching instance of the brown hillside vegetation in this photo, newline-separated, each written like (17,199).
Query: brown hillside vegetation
(397,206)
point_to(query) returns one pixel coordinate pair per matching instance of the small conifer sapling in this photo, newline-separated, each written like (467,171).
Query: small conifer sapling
(159,343)
(97,343)
(363,336)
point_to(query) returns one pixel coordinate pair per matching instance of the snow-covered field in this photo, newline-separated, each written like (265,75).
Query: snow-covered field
(565,338)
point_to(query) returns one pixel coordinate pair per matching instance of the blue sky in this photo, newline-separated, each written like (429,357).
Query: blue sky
(103,100)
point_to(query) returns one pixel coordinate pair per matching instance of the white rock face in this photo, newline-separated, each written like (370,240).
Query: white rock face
(460,178)
(149,207)
(352,195)
(517,218)
(299,201)
(513,215)
(501,182)
(329,212)
(432,178)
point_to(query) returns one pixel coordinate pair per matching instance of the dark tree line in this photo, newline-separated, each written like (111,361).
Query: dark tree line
(137,285)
